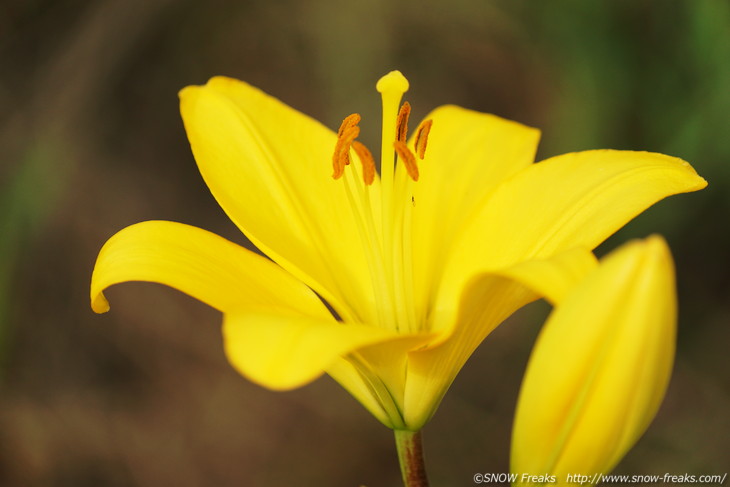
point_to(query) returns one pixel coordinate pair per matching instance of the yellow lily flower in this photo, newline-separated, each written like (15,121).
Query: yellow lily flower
(416,264)
(599,369)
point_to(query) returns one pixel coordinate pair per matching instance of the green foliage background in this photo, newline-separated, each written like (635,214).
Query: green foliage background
(91,141)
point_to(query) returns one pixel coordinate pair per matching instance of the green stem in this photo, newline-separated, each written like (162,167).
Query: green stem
(410,456)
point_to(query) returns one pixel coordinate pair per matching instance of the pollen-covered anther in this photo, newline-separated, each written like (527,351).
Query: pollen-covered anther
(349,121)
(409,160)
(367,161)
(348,132)
(401,124)
(422,137)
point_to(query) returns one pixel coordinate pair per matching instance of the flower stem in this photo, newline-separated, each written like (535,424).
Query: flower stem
(410,456)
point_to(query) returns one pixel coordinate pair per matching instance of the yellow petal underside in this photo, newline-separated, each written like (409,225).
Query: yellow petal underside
(376,376)
(210,268)
(572,200)
(381,371)
(277,332)
(270,168)
(600,367)
(283,353)
(487,301)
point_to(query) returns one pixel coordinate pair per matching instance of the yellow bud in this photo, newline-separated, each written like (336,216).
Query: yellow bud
(600,367)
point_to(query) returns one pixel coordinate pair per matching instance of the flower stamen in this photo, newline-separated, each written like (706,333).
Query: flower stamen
(367,161)
(348,132)
(422,137)
(349,121)
(401,123)
(409,160)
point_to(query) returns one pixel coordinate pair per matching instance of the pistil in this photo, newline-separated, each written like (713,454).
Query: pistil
(389,250)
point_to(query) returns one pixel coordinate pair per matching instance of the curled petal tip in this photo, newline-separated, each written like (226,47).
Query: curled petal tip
(99,304)
(656,243)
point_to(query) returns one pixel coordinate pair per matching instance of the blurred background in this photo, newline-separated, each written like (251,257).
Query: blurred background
(91,141)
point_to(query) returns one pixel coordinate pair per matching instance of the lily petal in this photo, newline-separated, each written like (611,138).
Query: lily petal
(269,167)
(381,371)
(468,155)
(553,278)
(572,200)
(351,379)
(199,263)
(600,367)
(283,352)
(487,301)
(376,376)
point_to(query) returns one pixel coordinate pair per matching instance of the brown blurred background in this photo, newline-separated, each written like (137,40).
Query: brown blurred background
(91,141)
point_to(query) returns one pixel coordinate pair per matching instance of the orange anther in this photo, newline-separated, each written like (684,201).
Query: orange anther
(338,165)
(368,163)
(422,137)
(347,134)
(401,123)
(409,160)
(349,121)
